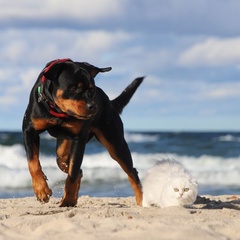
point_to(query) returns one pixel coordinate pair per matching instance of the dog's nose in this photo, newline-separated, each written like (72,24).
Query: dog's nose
(92,107)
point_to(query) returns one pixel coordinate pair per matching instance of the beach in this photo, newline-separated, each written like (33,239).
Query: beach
(210,217)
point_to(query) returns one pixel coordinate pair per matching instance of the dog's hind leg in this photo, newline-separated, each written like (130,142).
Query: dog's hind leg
(112,138)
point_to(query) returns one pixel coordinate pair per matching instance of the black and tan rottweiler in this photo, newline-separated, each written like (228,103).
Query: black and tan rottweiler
(66,102)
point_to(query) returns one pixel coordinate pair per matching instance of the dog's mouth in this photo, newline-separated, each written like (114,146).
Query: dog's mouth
(80,109)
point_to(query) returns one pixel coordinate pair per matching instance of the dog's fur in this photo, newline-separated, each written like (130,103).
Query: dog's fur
(65,102)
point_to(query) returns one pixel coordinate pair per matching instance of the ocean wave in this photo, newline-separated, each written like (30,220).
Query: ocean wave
(130,137)
(139,137)
(208,170)
(228,138)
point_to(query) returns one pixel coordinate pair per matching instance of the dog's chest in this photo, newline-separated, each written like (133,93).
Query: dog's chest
(67,129)
(63,128)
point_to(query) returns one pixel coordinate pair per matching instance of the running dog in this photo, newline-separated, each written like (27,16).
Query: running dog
(66,102)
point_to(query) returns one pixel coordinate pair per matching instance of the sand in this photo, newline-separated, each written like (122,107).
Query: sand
(119,218)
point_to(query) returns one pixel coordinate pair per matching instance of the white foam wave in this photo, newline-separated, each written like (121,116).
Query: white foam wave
(14,169)
(138,137)
(228,138)
(208,170)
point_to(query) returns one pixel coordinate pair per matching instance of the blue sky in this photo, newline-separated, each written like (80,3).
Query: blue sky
(188,50)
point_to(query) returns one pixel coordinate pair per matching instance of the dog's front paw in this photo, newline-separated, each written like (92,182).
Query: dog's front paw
(41,190)
(44,195)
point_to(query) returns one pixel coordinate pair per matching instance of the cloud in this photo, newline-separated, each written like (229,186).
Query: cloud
(184,97)
(37,46)
(14,50)
(28,78)
(84,10)
(9,96)
(212,52)
(16,84)
(154,17)
(223,91)
(7,101)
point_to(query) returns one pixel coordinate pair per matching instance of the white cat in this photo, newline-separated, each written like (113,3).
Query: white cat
(169,184)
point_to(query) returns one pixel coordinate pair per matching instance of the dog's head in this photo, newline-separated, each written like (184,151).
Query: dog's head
(73,88)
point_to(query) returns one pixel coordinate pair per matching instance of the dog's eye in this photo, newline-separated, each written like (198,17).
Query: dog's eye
(76,89)
(73,89)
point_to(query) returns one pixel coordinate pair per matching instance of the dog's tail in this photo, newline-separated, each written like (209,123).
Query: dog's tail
(123,99)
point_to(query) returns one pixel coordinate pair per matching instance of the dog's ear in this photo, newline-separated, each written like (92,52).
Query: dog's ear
(94,70)
(54,71)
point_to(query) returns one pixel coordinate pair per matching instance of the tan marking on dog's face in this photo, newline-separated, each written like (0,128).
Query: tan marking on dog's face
(42,123)
(76,108)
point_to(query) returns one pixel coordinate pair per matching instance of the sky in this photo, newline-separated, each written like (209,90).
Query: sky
(188,51)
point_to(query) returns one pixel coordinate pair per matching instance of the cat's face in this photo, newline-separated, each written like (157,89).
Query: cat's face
(183,191)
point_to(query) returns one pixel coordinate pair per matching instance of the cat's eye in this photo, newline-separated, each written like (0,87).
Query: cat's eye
(176,190)
(186,189)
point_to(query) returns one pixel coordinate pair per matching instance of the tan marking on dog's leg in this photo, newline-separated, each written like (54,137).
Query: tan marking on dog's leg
(137,188)
(40,186)
(72,187)
(135,183)
(63,155)
(132,175)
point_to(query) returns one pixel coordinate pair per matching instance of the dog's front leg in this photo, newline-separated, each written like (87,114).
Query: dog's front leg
(73,180)
(39,183)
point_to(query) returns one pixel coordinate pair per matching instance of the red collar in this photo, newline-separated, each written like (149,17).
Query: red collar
(51,64)
(42,97)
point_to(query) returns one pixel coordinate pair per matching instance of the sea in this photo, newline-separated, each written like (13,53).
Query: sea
(213,158)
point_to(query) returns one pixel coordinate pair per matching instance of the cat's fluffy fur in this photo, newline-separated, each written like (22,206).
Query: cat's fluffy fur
(168,183)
